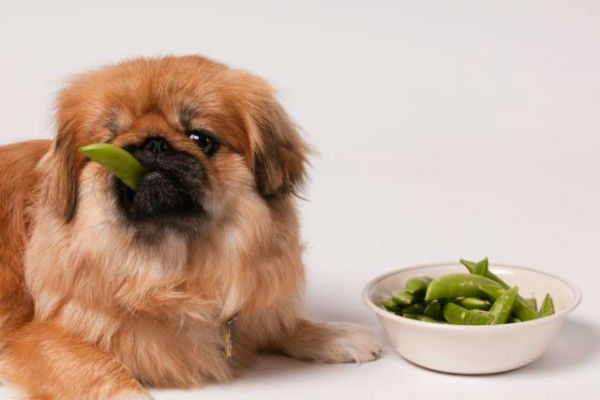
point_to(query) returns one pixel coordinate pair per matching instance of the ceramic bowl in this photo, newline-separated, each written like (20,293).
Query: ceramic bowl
(462,349)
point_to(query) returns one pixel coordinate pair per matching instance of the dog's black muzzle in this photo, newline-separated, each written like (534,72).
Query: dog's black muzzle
(171,189)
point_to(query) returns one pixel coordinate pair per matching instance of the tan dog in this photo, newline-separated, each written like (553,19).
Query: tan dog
(179,283)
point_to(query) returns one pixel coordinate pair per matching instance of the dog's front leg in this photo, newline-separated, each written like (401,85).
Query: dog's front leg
(329,342)
(45,362)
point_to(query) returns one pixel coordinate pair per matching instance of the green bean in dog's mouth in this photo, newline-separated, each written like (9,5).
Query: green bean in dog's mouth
(119,161)
(476,297)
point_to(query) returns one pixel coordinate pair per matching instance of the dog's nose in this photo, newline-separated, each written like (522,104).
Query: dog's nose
(156,145)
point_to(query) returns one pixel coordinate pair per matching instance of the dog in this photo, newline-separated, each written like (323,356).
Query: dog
(107,290)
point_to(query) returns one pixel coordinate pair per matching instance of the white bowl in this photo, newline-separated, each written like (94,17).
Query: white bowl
(472,349)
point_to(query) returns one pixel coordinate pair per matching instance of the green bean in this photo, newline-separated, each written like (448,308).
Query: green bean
(410,316)
(477,268)
(524,310)
(481,268)
(477,298)
(425,318)
(471,265)
(481,312)
(458,285)
(434,310)
(417,285)
(415,308)
(521,308)
(532,302)
(471,303)
(456,314)
(122,163)
(403,297)
(503,306)
(547,307)
(390,305)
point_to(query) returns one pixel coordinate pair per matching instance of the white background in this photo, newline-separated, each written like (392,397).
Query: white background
(445,129)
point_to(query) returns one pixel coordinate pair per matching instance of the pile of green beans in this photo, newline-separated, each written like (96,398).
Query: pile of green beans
(475,298)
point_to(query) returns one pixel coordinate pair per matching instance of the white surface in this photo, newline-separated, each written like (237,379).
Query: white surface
(446,129)
(468,349)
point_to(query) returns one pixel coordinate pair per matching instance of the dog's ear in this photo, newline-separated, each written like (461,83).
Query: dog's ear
(61,165)
(275,152)
(280,154)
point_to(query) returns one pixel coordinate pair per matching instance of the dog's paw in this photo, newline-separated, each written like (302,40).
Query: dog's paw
(329,342)
(351,343)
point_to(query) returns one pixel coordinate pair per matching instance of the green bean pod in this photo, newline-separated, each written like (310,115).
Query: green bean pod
(531,301)
(434,310)
(474,303)
(417,285)
(521,308)
(410,316)
(503,306)
(425,318)
(403,297)
(524,308)
(547,307)
(415,308)
(390,305)
(458,285)
(458,315)
(477,268)
(482,268)
(119,161)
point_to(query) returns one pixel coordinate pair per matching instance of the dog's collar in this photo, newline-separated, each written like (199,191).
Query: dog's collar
(228,342)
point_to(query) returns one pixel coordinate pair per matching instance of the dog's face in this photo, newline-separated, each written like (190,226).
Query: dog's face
(208,137)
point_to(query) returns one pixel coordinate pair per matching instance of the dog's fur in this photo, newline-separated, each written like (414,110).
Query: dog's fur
(97,302)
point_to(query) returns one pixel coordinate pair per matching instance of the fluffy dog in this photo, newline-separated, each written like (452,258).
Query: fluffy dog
(105,290)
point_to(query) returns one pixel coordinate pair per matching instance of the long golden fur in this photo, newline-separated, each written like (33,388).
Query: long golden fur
(91,309)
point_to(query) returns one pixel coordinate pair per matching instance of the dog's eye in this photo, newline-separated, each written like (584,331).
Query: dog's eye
(205,141)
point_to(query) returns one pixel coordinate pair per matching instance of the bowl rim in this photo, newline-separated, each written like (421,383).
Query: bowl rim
(387,314)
